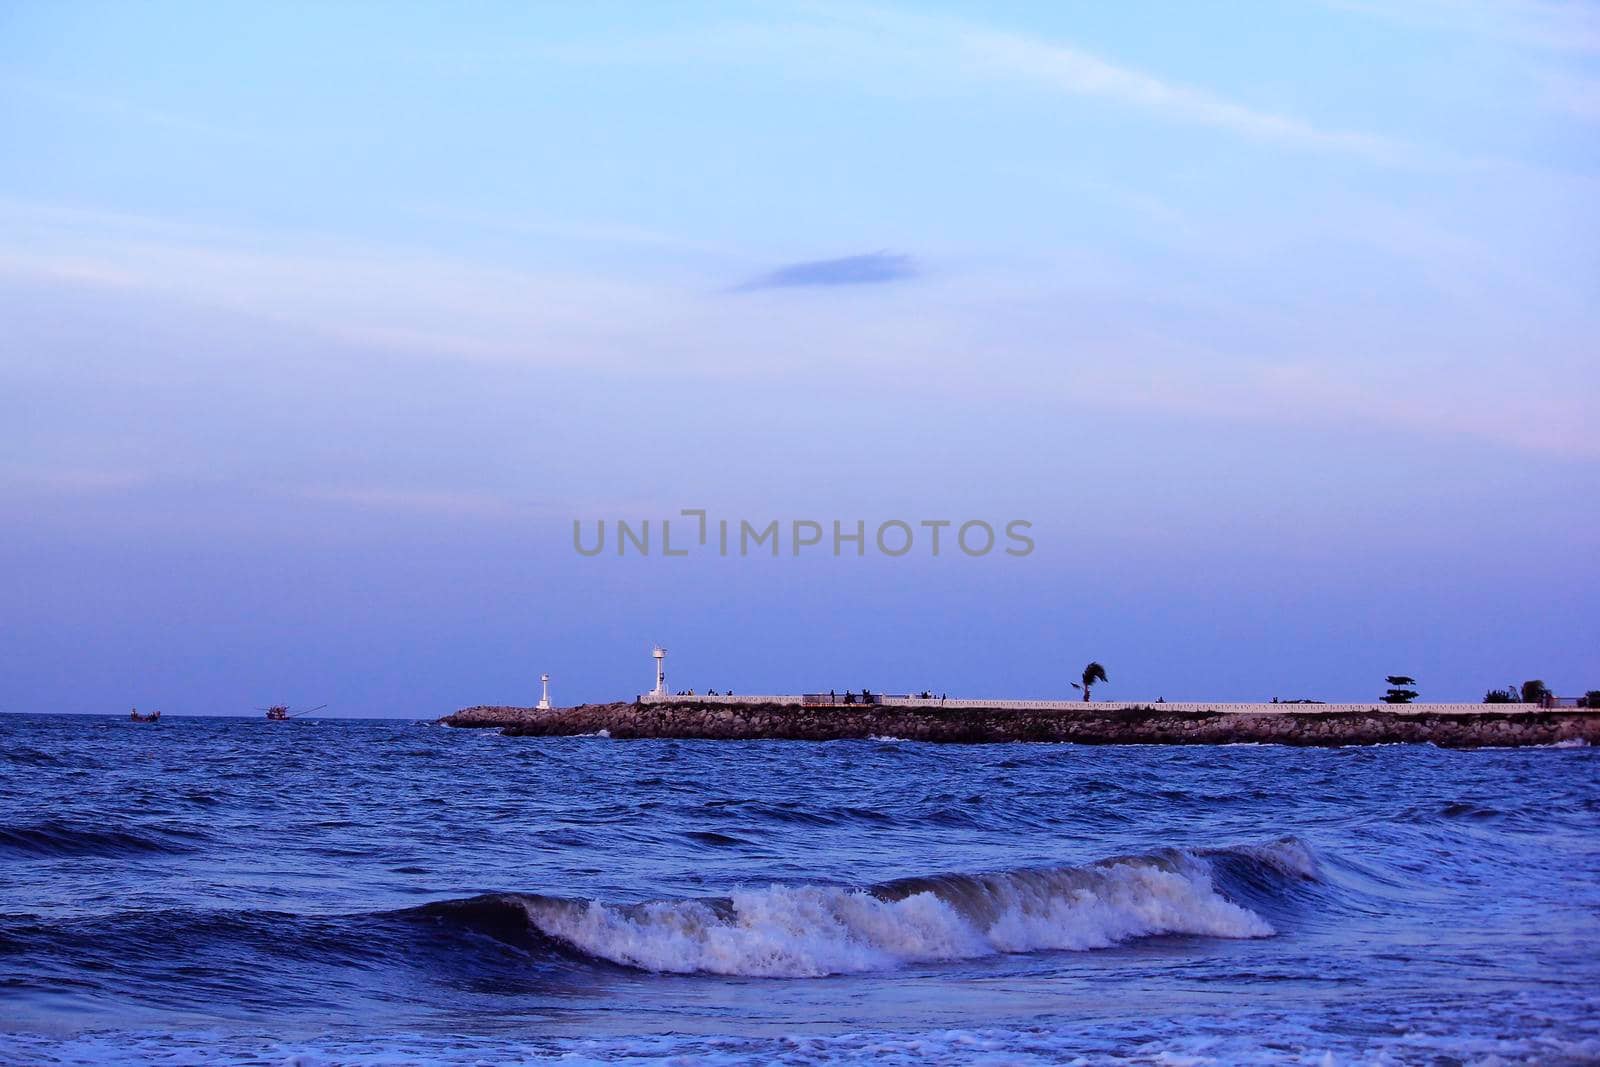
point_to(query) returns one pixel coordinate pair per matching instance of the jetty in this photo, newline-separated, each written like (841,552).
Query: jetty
(803,717)
(865,715)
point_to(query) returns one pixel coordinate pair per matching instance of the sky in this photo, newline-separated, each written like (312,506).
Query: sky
(321,326)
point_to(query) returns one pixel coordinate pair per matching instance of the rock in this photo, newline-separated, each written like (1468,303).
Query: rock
(1087,725)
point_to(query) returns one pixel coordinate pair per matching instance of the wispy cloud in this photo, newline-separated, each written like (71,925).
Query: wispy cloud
(121,109)
(579,232)
(449,502)
(398,298)
(1072,70)
(1552,25)
(976,328)
(73,480)
(1554,42)
(872,268)
(904,48)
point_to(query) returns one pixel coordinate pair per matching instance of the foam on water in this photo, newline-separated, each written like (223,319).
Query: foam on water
(797,931)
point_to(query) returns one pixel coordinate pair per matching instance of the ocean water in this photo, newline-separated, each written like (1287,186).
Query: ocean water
(388,892)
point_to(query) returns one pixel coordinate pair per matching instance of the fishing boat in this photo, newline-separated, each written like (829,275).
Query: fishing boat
(281,712)
(134,716)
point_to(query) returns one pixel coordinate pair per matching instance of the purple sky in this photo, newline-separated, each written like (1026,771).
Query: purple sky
(320,327)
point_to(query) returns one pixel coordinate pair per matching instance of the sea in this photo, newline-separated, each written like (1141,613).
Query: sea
(227,890)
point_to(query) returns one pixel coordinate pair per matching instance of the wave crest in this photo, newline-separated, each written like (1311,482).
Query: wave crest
(803,931)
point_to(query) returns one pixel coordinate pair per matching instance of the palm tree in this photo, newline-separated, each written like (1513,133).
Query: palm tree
(1091,674)
(1400,691)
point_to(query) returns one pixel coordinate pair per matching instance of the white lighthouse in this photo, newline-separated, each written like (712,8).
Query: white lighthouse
(544,697)
(660,655)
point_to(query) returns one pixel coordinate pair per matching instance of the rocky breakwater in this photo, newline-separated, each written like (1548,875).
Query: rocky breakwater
(1148,725)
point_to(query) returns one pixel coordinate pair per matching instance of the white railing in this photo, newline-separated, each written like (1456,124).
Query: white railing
(876,700)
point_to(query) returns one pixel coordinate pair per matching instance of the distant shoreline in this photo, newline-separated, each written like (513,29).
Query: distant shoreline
(972,722)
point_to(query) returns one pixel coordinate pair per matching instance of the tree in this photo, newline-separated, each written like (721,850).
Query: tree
(1591,699)
(1400,691)
(1508,695)
(1091,674)
(1534,692)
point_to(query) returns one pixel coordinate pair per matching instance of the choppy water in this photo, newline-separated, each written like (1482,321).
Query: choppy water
(213,890)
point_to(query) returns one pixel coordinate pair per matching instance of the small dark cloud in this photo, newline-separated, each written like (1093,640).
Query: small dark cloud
(868,269)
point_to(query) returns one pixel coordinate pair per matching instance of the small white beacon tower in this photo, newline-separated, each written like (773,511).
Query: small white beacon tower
(544,698)
(660,655)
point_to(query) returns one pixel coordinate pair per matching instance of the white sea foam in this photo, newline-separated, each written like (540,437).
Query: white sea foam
(809,931)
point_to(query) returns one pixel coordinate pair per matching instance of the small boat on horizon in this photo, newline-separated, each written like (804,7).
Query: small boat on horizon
(134,716)
(281,712)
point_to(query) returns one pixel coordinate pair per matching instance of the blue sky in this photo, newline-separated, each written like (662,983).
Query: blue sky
(320,324)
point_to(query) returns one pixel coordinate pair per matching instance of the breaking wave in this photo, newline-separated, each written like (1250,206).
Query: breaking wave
(802,931)
(776,931)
